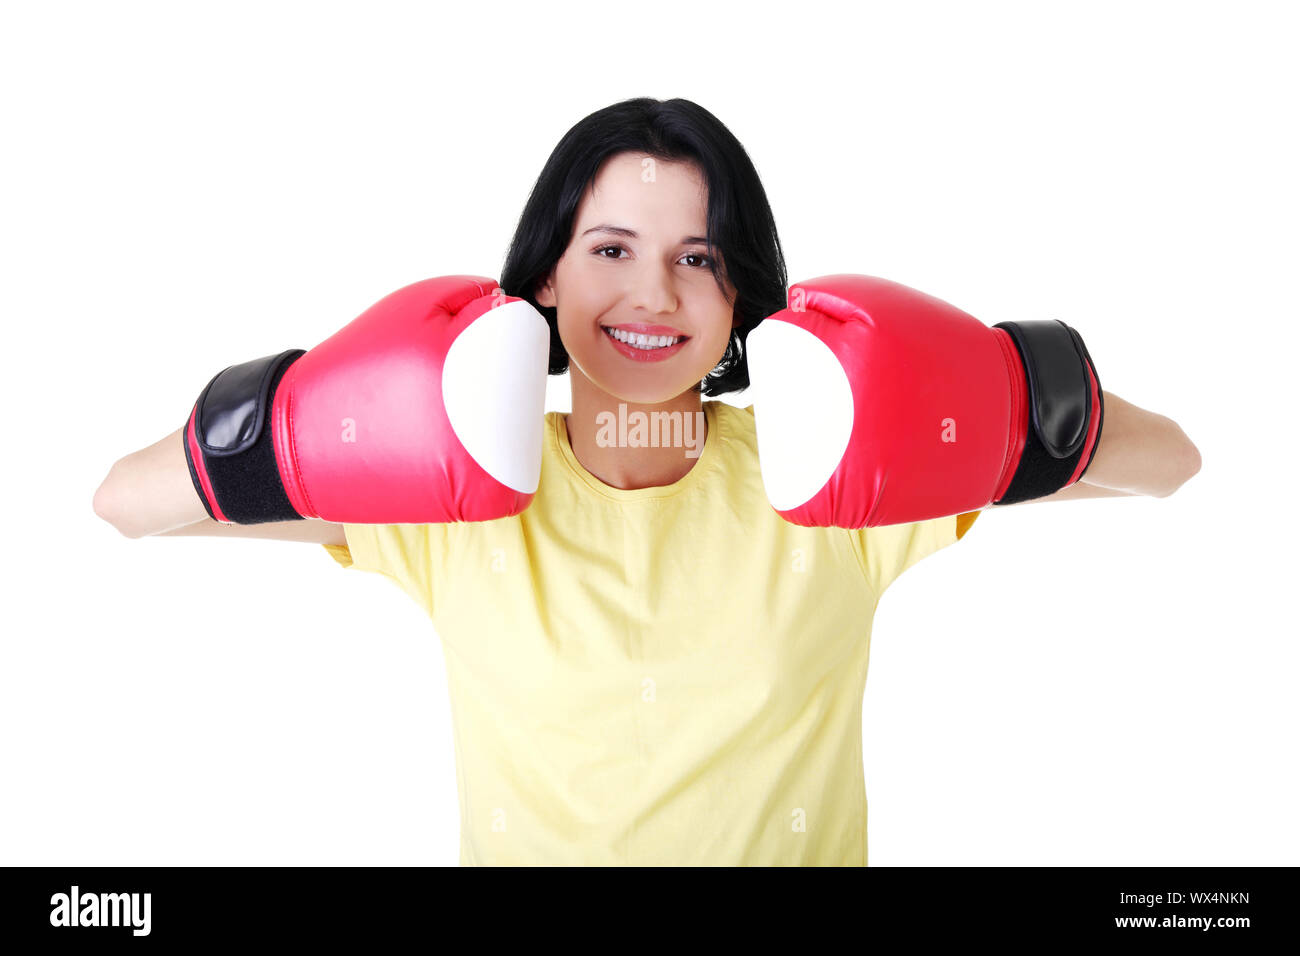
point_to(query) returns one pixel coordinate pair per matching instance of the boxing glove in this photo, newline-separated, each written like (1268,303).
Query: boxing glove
(877,404)
(429,407)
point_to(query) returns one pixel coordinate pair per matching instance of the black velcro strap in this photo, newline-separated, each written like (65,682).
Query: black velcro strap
(233,430)
(1060,406)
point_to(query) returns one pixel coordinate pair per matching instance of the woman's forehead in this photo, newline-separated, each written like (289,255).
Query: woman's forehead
(628,184)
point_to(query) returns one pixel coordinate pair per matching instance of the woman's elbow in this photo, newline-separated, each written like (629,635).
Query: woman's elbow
(112,502)
(1190,463)
(1193,460)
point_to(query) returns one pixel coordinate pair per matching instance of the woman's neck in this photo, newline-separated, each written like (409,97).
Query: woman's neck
(617,445)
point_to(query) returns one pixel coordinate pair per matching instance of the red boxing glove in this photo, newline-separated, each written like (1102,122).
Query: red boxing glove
(877,404)
(429,407)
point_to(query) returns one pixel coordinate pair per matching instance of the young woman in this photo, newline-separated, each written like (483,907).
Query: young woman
(649,665)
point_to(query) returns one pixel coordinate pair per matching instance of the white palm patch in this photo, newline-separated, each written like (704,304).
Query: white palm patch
(803,411)
(494,389)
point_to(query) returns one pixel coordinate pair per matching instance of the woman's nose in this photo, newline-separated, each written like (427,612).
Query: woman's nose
(652,290)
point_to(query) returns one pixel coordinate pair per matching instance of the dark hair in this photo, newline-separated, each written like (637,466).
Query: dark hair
(739,219)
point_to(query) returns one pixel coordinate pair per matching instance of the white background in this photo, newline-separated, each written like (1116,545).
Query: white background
(186,186)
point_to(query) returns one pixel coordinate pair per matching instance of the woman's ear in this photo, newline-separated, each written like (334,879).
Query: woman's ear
(545,294)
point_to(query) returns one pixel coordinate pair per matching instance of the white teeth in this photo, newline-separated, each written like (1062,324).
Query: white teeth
(644,341)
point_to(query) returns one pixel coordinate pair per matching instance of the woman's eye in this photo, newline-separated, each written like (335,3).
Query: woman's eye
(706,261)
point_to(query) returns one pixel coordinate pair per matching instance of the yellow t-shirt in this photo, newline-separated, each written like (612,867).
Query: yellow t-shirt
(668,675)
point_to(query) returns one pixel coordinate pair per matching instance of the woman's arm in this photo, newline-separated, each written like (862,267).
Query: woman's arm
(149,492)
(1141,453)
(311,530)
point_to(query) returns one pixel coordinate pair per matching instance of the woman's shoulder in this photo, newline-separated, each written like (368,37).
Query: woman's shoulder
(739,415)
(735,422)
(730,408)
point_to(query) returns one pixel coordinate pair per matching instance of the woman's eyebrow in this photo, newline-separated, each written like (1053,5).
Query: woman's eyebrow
(633,234)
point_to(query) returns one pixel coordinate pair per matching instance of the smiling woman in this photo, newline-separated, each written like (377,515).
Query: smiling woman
(647,664)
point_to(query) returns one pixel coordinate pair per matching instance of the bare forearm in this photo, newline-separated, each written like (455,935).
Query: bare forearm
(1141,452)
(150,491)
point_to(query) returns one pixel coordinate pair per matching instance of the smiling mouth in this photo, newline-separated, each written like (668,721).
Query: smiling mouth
(647,343)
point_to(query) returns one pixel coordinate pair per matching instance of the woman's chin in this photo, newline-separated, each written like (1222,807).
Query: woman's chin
(643,385)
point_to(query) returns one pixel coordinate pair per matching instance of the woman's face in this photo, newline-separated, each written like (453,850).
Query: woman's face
(637,264)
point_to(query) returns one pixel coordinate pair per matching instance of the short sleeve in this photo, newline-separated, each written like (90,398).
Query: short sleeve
(402,552)
(887,551)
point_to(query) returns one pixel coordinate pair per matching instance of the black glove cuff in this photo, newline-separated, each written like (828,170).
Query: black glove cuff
(1057,366)
(233,431)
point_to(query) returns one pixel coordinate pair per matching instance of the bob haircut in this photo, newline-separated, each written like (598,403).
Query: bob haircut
(739,218)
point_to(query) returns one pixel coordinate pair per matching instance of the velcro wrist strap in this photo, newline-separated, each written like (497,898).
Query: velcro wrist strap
(1062,386)
(228,443)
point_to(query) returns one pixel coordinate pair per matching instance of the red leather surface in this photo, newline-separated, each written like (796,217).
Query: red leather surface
(921,371)
(360,429)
